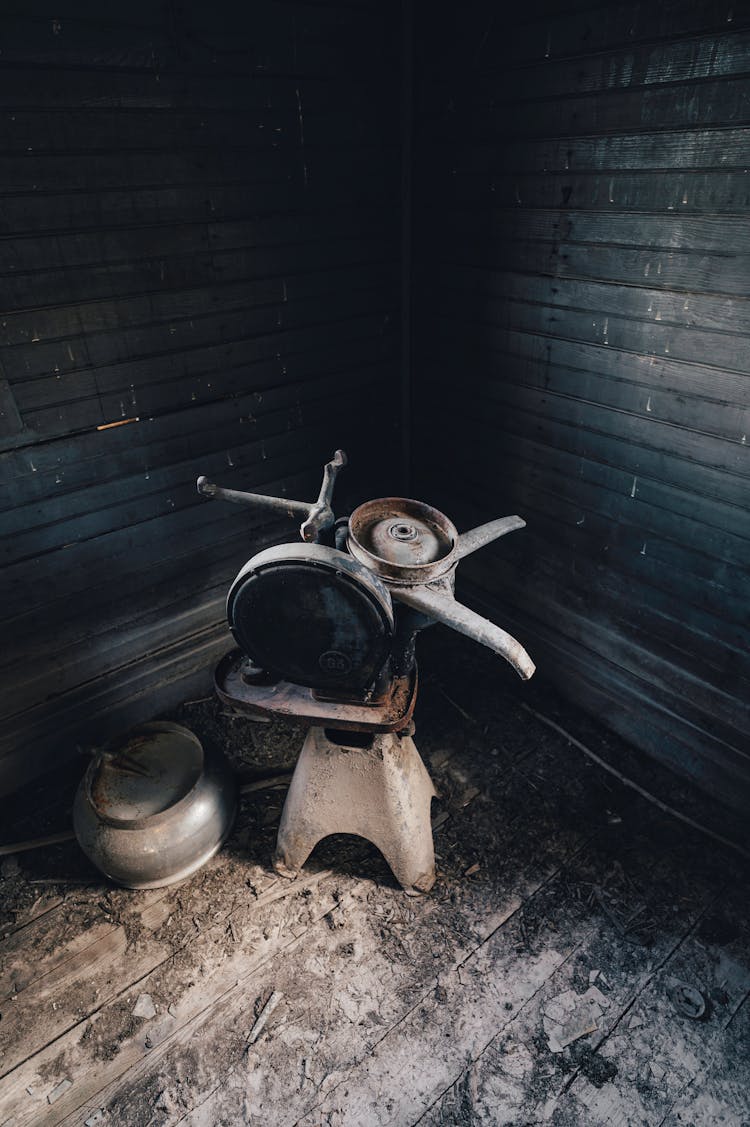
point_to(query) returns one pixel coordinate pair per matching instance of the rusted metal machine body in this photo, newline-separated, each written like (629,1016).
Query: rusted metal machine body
(326,631)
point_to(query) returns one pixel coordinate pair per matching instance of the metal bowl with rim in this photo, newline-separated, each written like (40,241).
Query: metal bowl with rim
(153,806)
(403,541)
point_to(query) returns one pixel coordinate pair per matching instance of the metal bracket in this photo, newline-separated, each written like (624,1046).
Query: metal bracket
(318,515)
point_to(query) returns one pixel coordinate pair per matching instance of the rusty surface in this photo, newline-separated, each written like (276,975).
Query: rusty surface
(391,713)
(402,540)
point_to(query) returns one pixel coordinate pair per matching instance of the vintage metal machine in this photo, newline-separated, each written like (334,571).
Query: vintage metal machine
(326,630)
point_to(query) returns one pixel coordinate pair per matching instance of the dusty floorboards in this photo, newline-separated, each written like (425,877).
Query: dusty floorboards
(535,985)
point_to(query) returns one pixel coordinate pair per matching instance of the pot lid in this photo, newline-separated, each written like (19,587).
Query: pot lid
(145,772)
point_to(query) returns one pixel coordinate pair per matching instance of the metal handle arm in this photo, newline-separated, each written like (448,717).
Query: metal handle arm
(469,542)
(321,514)
(318,514)
(259,500)
(438,603)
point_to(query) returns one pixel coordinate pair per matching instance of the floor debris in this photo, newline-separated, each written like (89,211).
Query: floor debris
(570,1016)
(144,1007)
(58,1090)
(442,1011)
(263,1017)
(658,1071)
(687,999)
(468,796)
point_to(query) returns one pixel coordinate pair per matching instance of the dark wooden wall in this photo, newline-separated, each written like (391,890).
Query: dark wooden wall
(581,345)
(199,234)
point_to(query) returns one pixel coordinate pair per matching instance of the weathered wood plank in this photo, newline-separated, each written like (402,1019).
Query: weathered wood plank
(65,1028)
(675,270)
(139,543)
(605,690)
(716,192)
(544,458)
(91,457)
(718,455)
(198,270)
(627,507)
(222,89)
(699,704)
(219,1000)
(425,1054)
(278,41)
(607,445)
(144,348)
(168,204)
(669,151)
(580,270)
(701,312)
(101,509)
(628,1040)
(724,235)
(668,61)
(214,372)
(199,233)
(98,317)
(690,106)
(706,401)
(561,34)
(82,248)
(555,520)
(374,988)
(71,131)
(679,1051)
(101,954)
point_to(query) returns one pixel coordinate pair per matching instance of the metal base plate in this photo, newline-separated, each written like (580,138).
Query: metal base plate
(392,713)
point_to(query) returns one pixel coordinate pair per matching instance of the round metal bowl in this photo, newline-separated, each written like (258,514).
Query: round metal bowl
(403,541)
(153,807)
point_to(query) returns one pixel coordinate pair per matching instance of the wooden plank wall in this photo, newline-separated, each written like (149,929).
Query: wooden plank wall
(199,232)
(582,334)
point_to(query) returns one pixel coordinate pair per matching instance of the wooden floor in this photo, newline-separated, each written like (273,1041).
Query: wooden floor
(566,910)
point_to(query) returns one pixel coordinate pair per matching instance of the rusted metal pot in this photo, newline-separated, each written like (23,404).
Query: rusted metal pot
(153,807)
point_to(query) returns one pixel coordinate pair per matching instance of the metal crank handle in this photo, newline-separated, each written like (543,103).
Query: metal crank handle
(259,500)
(321,513)
(318,514)
(441,606)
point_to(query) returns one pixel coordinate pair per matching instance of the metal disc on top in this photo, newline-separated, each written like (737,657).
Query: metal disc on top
(403,541)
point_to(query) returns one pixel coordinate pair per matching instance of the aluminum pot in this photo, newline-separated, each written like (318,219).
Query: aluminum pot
(153,807)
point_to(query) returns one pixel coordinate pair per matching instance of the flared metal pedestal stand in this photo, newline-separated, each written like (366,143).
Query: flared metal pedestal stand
(380,791)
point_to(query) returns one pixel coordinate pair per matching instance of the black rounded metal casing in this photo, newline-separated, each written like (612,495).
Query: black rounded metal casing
(313,616)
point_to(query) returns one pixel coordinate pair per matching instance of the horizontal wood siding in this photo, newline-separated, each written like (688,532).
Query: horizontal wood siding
(581,344)
(199,239)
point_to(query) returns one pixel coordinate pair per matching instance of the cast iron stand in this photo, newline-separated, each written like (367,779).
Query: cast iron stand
(359,772)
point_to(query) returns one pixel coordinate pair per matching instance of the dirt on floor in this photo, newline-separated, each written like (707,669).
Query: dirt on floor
(547,977)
